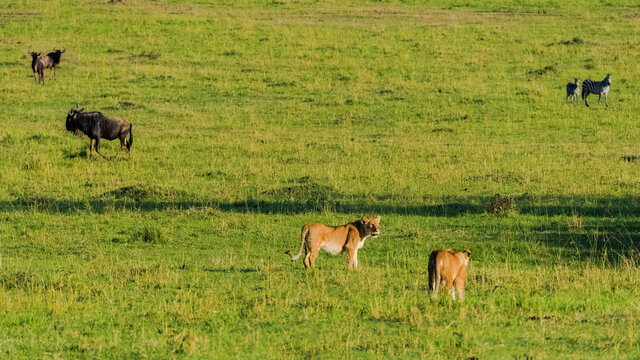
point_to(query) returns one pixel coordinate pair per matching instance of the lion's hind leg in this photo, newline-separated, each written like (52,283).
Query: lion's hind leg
(306,260)
(449,288)
(307,256)
(313,254)
(459,284)
(434,283)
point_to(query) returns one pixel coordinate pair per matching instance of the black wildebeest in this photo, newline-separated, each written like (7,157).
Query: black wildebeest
(34,60)
(97,126)
(50,61)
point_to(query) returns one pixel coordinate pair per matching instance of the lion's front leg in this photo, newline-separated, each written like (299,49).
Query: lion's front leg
(353,258)
(351,247)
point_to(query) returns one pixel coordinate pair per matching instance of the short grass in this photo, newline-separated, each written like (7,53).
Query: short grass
(251,118)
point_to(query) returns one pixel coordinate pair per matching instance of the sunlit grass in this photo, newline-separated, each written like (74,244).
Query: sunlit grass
(253,118)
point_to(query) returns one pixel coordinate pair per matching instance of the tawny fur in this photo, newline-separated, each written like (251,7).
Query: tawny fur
(449,267)
(336,239)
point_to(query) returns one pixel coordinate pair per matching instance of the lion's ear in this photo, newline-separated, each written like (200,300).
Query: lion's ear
(364,219)
(378,219)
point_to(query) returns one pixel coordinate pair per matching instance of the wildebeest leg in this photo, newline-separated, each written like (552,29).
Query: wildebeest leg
(117,154)
(98,149)
(606,96)
(97,142)
(123,142)
(599,97)
(91,142)
(585,99)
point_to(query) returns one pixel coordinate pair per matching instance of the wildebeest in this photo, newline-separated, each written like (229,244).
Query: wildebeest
(34,60)
(97,126)
(50,61)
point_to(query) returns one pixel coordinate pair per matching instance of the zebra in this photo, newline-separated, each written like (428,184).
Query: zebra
(573,90)
(596,87)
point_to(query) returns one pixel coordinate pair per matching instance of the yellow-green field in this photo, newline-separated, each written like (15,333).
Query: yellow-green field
(251,118)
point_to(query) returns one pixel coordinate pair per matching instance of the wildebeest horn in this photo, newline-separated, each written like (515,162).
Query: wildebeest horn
(81,110)
(77,105)
(63,50)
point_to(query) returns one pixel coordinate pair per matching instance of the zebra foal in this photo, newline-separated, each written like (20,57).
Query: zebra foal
(596,87)
(573,90)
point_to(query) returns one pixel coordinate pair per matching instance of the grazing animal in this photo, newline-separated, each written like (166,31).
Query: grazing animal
(34,61)
(97,126)
(449,267)
(335,239)
(50,61)
(41,64)
(597,88)
(573,90)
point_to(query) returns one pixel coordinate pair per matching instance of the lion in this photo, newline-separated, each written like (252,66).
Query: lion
(335,239)
(450,267)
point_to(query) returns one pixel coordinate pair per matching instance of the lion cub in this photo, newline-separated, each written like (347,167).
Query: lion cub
(449,267)
(335,239)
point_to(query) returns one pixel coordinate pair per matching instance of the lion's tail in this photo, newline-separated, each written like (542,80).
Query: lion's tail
(303,235)
(434,274)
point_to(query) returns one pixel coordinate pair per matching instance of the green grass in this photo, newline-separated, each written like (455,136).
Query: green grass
(251,118)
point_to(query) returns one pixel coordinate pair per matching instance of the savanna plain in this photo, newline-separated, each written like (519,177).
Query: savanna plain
(251,118)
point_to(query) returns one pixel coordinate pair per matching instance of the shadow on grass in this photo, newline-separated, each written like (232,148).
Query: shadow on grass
(230,270)
(607,243)
(605,207)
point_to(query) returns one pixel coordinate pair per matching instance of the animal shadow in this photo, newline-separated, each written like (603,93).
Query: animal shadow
(69,154)
(230,270)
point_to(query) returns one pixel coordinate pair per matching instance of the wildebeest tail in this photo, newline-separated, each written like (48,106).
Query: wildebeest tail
(130,138)
(433,271)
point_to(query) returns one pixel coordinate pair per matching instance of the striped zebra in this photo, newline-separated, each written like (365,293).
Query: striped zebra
(573,90)
(596,87)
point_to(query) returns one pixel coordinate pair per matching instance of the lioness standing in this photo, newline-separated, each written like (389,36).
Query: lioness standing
(448,266)
(335,239)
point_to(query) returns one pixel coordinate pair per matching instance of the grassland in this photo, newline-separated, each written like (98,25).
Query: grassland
(251,118)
